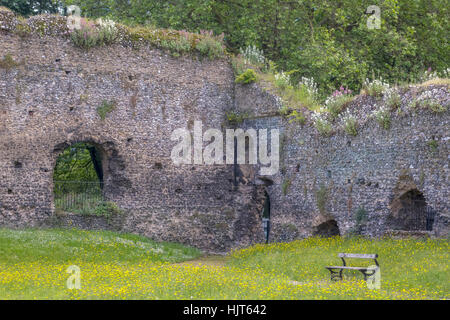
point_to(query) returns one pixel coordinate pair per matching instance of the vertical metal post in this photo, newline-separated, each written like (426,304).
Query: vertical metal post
(266,226)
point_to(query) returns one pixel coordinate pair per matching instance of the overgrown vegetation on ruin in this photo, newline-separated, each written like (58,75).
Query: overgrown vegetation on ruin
(304,99)
(316,38)
(90,33)
(105,108)
(333,112)
(124,266)
(8,62)
(301,103)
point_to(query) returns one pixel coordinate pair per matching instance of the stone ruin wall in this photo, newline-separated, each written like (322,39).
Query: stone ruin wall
(49,102)
(323,179)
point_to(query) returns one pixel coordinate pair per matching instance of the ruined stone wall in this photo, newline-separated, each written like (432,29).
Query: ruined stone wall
(49,101)
(326,179)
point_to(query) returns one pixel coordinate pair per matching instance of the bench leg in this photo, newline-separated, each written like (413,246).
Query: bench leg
(336,275)
(367,273)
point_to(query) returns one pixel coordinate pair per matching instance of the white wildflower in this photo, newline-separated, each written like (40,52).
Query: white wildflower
(310,85)
(253,55)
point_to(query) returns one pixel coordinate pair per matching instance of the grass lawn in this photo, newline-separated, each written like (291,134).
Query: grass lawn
(33,265)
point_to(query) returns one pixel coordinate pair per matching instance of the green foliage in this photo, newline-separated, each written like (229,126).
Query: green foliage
(413,104)
(351,126)
(235,118)
(285,186)
(283,81)
(210,48)
(75,164)
(433,144)
(285,110)
(322,39)
(105,108)
(349,123)
(254,56)
(22,29)
(77,184)
(92,35)
(176,42)
(336,104)
(238,65)
(177,46)
(246,77)
(297,116)
(375,88)
(361,216)
(383,117)
(428,103)
(8,62)
(294,97)
(107,209)
(392,99)
(32,7)
(434,105)
(322,124)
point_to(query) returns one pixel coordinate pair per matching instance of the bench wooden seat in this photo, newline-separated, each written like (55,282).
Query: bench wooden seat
(336,271)
(351,268)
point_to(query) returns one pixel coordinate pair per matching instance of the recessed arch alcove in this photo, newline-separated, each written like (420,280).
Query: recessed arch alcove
(410,212)
(327,229)
(409,208)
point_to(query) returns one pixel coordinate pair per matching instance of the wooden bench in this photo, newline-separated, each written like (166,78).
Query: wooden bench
(336,271)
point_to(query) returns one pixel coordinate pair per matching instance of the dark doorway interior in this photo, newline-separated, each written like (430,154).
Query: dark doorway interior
(327,229)
(410,212)
(78,179)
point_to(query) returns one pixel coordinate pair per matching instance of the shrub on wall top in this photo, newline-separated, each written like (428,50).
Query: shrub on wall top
(246,77)
(91,34)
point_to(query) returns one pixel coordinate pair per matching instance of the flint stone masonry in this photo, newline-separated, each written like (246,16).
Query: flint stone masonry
(49,101)
(368,171)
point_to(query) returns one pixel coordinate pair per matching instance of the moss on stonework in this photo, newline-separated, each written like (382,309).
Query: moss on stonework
(8,62)
(236,118)
(322,198)
(105,108)
(433,144)
(285,186)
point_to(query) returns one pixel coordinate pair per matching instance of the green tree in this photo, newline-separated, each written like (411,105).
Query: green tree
(32,7)
(80,162)
(324,39)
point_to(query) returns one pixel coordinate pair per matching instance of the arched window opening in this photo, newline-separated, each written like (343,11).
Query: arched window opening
(78,179)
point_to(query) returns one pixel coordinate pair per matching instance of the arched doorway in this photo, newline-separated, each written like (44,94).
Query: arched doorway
(410,212)
(78,179)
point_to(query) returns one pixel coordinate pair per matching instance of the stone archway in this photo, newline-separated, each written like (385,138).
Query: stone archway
(78,179)
(328,228)
(409,212)
(108,163)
